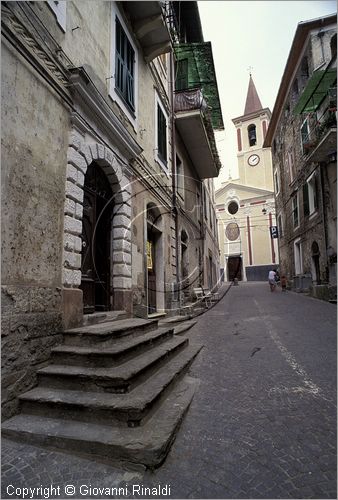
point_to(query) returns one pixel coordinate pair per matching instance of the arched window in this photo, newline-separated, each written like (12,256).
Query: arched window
(305,68)
(252,135)
(333,45)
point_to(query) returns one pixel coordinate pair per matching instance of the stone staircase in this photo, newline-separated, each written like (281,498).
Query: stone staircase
(115,389)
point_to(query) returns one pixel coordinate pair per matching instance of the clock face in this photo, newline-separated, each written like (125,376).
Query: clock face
(253,160)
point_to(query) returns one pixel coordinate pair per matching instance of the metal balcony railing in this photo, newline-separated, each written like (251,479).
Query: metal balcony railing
(318,127)
(189,100)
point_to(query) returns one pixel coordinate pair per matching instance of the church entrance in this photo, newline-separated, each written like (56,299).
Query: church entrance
(235,268)
(96,241)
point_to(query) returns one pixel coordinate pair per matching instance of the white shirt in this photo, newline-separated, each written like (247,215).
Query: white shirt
(272,275)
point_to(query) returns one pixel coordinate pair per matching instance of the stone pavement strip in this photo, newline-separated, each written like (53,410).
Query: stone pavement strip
(262,423)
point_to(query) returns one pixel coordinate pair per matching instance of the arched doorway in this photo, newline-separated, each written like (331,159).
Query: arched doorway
(96,241)
(155,264)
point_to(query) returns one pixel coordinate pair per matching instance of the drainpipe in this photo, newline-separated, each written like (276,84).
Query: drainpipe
(173,166)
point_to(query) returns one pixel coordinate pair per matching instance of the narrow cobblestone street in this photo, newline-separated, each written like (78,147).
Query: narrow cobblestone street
(262,423)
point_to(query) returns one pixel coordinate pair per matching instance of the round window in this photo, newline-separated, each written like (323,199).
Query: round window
(233,207)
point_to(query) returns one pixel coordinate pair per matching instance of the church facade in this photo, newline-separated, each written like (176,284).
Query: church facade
(245,206)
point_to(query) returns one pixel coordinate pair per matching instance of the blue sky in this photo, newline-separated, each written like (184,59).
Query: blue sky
(257,34)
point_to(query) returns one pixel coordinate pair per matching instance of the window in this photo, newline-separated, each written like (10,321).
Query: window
(276,177)
(182,74)
(274,146)
(179,177)
(198,208)
(252,135)
(233,207)
(295,214)
(295,90)
(290,165)
(163,59)
(305,135)
(280,225)
(124,67)
(161,135)
(333,46)
(59,9)
(298,257)
(310,195)
(305,68)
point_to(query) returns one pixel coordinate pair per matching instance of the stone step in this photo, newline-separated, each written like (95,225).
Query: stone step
(107,333)
(100,317)
(172,320)
(111,355)
(184,327)
(146,445)
(113,379)
(125,409)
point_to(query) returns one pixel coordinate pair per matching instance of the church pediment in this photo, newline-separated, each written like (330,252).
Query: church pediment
(240,191)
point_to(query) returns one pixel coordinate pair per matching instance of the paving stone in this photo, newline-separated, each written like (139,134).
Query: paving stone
(243,408)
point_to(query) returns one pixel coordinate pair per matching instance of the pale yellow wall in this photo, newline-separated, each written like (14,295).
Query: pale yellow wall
(259,227)
(260,175)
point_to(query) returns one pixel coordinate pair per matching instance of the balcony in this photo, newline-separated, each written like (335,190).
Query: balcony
(193,122)
(150,27)
(321,142)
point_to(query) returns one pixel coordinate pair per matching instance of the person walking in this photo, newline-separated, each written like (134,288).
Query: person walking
(272,280)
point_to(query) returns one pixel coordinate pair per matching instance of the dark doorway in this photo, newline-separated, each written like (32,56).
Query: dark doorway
(235,268)
(96,241)
(315,262)
(210,277)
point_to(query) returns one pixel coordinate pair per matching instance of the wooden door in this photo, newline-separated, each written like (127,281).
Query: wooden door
(234,268)
(151,269)
(96,230)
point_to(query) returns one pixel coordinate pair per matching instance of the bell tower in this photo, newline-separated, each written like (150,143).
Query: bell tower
(254,161)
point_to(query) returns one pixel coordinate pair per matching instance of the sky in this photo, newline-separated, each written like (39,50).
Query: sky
(256,34)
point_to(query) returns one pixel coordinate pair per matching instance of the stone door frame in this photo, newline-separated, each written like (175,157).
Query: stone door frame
(79,156)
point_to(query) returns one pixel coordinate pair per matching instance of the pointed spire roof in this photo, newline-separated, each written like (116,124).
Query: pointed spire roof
(253,102)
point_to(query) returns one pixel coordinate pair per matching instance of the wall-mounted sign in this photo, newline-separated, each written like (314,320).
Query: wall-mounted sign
(274,231)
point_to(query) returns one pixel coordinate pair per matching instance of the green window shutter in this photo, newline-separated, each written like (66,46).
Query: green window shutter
(306,199)
(124,66)
(182,74)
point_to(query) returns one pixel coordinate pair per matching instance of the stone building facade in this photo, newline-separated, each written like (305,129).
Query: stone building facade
(246,206)
(303,134)
(89,172)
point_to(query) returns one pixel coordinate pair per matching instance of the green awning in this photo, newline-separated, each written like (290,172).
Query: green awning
(315,90)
